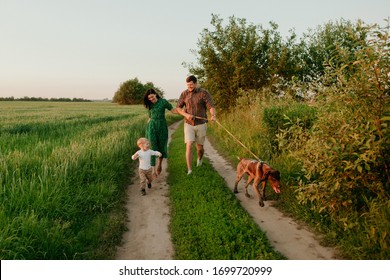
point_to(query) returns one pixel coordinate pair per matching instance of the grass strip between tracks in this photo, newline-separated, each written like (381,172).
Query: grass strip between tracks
(207,221)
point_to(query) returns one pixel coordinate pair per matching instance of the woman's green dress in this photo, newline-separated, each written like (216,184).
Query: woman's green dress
(157,128)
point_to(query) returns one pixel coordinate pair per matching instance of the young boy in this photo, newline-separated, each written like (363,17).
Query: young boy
(145,169)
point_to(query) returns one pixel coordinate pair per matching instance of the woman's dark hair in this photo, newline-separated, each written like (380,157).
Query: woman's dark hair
(147,102)
(191,78)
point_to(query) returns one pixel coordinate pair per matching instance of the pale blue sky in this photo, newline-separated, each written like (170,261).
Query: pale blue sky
(87,48)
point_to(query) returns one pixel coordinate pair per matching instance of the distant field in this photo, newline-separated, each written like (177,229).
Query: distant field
(62,171)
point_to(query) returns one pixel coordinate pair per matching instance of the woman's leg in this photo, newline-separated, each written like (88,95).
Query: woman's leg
(159,165)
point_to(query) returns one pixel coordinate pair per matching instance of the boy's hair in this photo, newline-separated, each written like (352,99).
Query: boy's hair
(142,140)
(191,78)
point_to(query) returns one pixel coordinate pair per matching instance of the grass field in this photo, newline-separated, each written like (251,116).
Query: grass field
(63,172)
(63,168)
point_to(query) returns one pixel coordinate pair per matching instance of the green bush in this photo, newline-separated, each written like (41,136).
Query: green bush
(283,117)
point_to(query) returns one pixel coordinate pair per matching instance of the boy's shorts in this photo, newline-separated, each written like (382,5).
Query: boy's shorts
(196,133)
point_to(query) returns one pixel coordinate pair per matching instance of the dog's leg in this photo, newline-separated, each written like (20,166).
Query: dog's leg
(250,179)
(240,174)
(263,184)
(259,196)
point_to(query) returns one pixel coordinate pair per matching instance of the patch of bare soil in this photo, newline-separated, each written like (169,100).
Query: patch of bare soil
(148,237)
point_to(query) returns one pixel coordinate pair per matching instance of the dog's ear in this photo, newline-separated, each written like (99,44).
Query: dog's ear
(266,169)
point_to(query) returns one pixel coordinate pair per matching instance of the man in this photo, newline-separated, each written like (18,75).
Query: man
(196,101)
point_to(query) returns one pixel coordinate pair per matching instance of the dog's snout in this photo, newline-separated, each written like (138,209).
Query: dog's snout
(276,188)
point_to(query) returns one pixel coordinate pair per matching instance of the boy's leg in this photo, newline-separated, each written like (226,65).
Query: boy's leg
(142,181)
(149,177)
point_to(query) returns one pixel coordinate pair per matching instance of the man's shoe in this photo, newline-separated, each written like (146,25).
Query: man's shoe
(189,172)
(199,162)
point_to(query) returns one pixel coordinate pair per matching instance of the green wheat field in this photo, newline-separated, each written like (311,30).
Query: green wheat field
(63,168)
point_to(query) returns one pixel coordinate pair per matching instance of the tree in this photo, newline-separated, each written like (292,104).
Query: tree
(235,57)
(241,57)
(328,45)
(132,92)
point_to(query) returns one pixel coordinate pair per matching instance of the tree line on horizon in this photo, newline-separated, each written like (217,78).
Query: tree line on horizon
(61,99)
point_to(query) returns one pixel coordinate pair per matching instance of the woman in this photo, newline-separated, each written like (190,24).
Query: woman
(157,128)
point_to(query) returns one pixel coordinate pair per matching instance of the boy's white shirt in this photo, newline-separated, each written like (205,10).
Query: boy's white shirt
(145,158)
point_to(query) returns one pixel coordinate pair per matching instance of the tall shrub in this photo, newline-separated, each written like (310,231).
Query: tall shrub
(347,157)
(285,117)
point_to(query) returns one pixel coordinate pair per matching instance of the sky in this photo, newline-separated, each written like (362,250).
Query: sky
(87,48)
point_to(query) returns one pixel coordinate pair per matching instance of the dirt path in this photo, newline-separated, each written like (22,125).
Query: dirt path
(148,236)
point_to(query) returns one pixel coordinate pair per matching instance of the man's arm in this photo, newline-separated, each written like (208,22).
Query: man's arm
(179,107)
(213,113)
(182,112)
(210,105)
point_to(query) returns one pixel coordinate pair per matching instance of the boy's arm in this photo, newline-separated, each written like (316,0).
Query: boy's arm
(135,156)
(157,153)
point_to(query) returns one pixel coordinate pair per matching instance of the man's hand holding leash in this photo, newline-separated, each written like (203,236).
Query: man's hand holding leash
(192,117)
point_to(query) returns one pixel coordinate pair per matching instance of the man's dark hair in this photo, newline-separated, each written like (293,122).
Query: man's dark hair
(191,78)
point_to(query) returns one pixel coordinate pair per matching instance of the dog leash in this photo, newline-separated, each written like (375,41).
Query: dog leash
(235,138)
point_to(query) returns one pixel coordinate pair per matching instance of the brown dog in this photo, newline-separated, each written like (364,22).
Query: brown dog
(258,172)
